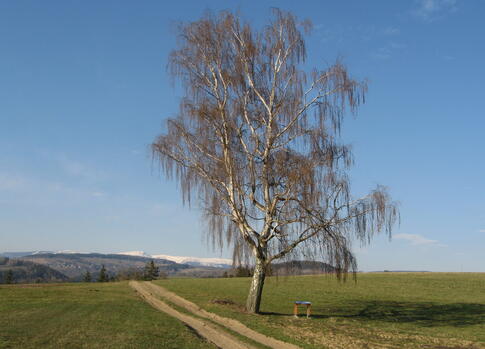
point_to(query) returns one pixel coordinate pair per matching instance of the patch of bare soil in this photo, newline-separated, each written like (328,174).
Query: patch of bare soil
(203,328)
(229,303)
(231,324)
(223,302)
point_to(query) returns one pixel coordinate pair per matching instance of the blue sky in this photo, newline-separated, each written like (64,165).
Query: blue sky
(84,91)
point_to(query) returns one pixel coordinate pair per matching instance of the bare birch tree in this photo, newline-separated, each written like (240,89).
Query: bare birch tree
(257,141)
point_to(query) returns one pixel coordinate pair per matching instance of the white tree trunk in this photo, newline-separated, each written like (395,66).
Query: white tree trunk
(256,290)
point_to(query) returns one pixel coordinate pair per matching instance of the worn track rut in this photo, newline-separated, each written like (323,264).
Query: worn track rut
(220,338)
(149,290)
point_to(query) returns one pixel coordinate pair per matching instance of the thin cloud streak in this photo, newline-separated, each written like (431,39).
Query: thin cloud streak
(431,10)
(386,52)
(11,183)
(391,31)
(416,239)
(78,169)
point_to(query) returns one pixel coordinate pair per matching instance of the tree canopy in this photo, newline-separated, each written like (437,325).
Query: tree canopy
(257,141)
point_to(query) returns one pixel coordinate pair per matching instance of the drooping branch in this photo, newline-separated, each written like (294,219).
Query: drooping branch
(257,139)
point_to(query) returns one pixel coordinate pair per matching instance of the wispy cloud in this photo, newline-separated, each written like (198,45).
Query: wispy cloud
(416,239)
(354,33)
(25,189)
(381,54)
(391,31)
(383,40)
(386,52)
(481,230)
(397,45)
(431,10)
(78,169)
(68,165)
(22,184)
(10,182)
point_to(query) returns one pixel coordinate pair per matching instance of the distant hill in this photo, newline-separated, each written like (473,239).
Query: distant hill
(301,268)
(202,272)
(400,271)
(74,265)
(192,261)
(29,272)
(22,254)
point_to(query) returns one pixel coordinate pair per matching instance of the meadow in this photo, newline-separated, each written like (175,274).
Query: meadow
(380,310)
(96,315)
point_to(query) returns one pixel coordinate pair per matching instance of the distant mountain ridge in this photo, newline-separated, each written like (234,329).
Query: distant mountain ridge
(188,260)
(22,254)
(28,272)
(75,265)
(193,261)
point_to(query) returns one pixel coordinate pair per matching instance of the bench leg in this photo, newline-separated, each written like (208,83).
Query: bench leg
(295,310)
(308,310)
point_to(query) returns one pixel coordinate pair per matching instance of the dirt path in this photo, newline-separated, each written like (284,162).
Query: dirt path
(231,324)
(220,338)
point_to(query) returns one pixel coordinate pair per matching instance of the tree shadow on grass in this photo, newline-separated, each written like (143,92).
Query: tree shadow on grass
(423,314)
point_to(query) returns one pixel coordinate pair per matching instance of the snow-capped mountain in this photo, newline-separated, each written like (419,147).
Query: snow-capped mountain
(136,254)
(33,253)
(194,261)
(197,261)
(70,252)
(22,254)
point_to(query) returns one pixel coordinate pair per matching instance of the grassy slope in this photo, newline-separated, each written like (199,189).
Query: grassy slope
(384,309)
(86,316)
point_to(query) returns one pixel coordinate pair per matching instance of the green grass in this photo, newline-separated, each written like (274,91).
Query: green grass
(390,310)
(108,315)
(383,310)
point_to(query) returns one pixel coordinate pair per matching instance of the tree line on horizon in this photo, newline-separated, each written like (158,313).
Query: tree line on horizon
(20,271)
(150,272)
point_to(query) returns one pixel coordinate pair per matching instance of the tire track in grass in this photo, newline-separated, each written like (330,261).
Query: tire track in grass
(220,338)
(231,324)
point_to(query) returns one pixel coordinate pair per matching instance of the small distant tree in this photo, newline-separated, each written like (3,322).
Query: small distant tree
(87,277)
(257,141)
(9,277)
(103,275)
(162,275)
(243,271)
(130,274)
(151,271)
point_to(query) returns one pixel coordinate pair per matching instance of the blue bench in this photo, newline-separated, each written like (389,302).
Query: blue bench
(308,308)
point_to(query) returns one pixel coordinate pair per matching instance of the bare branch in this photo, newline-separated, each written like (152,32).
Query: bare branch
(257,140)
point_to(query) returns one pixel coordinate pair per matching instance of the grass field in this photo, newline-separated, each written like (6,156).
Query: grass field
(381,310)
(98,315)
